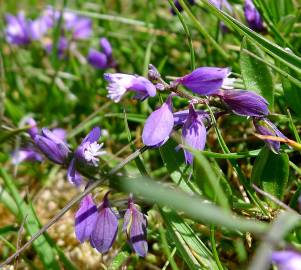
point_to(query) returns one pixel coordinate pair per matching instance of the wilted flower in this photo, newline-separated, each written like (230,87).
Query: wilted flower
(264,126)
(287,260)
(17,30)
(120,83)
(193,133)
(104,59)
(159,125)
(105,228)
(246,103)
(134,225)
(207,80)
(253,17)
(85,218)
(179,7)
(52,146)
(86,156)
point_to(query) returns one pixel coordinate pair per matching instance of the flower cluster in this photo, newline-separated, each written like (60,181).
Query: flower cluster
(22,31)
(99,225)
(211,82)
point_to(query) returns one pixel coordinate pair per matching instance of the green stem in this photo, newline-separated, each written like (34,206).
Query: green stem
(186,29)
(213,246)
(203,31)
(253,196)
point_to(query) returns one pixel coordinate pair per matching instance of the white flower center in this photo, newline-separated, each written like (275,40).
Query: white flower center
(116,91)
(92,152)
(228,83)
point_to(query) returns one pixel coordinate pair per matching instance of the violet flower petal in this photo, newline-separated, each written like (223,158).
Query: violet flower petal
(253,17)
(246,103)
(26,155)
(158,125)
(287,260)
(120,83)
(33,130)
(85,218)
(17,29)
(106,47)
(105,229)
(134,225)
(265,127)
(72,174)
(53,147)
(82,28)
(193,134)
(93,136)
(181,116)
(97,59)
(205,80)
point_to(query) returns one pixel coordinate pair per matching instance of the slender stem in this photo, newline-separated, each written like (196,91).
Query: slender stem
(186,29)
(213,246)
(203,31)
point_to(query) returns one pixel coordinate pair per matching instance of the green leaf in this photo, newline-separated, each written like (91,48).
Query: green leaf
(256,74)
(288,58)
(270,172)
(119,259)
(178,170)
(213,186)
(188,244)
(292,93)
(191,206)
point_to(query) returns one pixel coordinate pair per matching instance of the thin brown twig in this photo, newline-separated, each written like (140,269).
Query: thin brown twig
(274,199)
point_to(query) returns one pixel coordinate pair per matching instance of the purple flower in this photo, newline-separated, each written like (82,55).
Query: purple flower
(102,60)
(106,47)
(53,147)
(33,130)
(264,126)
(26,154)
(134,225)
(179,7)
(221,4)
(86,156)
(159,125)
(85,218)
(206,80)
(287,260)
(80,27)
(17,30)
(62,46)
(246,103)
(120,83)
(193,133)
(105,229)
(97,59)
(181,116)
(38,28)
(50,16)
(253,17)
